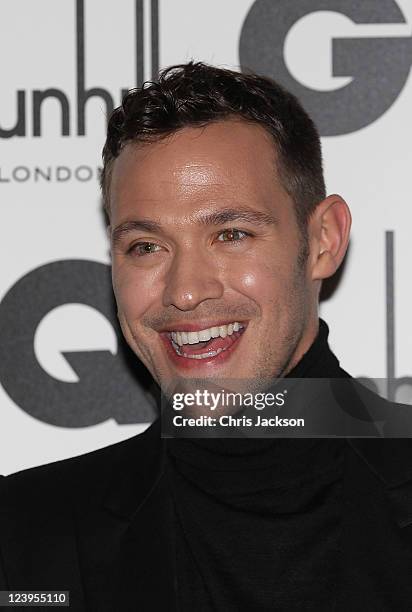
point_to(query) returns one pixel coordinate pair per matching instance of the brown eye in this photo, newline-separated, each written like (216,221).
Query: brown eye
(231,235)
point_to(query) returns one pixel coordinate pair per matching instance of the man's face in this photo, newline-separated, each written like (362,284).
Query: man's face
(204,236)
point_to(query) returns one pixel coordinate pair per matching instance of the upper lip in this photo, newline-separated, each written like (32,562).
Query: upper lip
(199,325)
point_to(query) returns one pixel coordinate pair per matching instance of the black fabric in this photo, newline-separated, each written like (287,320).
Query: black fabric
(101,526)
(258,521)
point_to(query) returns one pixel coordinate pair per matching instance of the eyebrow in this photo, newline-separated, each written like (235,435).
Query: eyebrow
(236,214)
(145,225)
(219,217)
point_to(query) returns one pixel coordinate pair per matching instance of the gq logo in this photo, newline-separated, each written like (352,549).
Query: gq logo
(379,67)
(108,385)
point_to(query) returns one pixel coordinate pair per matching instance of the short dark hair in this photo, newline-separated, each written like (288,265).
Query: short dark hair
(196,94)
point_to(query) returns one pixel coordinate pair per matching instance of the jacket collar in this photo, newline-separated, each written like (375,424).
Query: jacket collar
(388,457)
(135,474)
(126,549)
(390,460)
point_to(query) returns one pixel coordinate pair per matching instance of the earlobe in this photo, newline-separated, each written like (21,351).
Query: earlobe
(331,223)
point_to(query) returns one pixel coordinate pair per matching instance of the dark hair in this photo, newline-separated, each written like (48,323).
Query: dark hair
(195,94)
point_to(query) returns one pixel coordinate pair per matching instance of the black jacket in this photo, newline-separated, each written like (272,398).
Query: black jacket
(100,526)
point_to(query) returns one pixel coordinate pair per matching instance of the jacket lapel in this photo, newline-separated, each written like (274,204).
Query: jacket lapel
(126,545)
(390,459)
(147,572)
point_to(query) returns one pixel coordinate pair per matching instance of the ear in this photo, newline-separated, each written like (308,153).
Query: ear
(329,229)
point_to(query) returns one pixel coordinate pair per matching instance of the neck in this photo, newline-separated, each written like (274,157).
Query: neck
(306,340)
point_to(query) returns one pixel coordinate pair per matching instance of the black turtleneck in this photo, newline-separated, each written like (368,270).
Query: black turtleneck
(258,520)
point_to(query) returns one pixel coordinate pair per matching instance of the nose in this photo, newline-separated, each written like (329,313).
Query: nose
(191,279)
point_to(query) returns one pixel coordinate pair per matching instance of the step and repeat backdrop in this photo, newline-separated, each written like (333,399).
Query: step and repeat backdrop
(67,383)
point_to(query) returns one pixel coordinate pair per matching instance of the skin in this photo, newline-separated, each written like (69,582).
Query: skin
(196,272)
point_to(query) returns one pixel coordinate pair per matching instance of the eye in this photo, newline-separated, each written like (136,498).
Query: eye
(232,235)
(143,248)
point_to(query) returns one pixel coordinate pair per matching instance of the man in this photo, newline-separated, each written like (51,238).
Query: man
(221,236)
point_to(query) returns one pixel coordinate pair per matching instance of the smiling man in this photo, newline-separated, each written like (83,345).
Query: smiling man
(203,225)
(216,226)
(221,236)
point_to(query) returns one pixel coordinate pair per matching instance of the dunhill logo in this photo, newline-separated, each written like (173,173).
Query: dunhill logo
(82,93)
(378,66)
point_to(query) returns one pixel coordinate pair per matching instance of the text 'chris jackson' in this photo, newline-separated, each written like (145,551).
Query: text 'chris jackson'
(232,421)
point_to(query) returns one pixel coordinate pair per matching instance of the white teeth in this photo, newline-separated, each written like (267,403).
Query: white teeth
(202,356)
(205,355)
(223,331)
(192,338)
(203,335)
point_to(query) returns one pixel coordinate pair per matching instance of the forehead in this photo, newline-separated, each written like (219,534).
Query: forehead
(223,162)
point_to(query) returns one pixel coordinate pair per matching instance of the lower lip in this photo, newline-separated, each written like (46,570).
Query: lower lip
(187,363)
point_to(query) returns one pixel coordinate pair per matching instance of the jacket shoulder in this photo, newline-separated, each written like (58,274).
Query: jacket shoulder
(69,479)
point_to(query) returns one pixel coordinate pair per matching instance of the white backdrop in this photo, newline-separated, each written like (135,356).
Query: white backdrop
(50,205)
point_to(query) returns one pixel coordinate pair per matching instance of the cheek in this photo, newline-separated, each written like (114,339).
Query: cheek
(135,292)
(259,282)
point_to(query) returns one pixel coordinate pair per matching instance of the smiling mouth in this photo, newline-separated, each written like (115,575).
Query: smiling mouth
(206,343)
